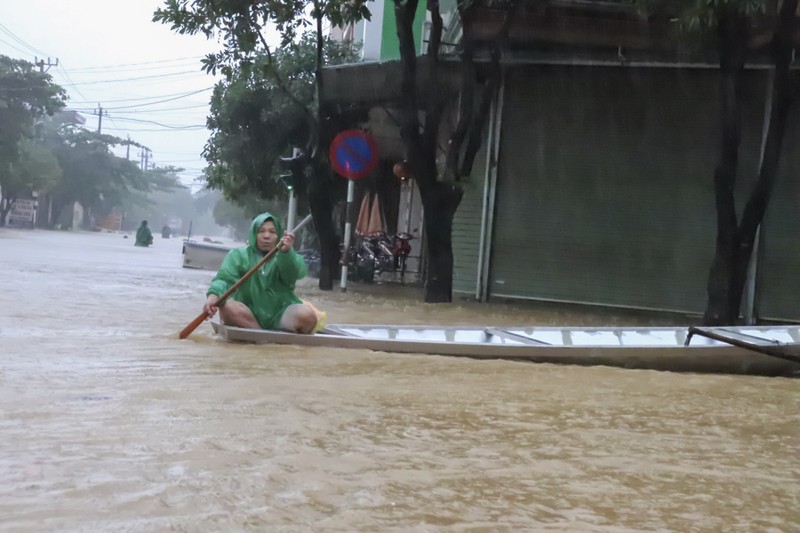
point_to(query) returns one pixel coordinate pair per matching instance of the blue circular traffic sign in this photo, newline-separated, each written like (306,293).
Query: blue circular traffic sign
(353,154)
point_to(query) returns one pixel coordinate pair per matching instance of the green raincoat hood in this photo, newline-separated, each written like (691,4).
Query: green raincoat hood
(257,222)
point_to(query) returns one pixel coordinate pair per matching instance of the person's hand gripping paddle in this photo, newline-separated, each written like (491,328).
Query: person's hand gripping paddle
(185,332)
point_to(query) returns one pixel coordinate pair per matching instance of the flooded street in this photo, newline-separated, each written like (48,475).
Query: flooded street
(108,422)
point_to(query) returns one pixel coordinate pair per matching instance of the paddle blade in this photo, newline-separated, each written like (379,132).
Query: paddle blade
(185,332)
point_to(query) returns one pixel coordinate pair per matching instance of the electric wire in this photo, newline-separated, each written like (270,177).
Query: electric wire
(14,47)
(165,98)
(22,42)
(143,121)
(137,78)
(62,72)
(121,67)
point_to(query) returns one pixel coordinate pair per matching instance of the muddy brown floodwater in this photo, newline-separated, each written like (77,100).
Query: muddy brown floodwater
(109,423)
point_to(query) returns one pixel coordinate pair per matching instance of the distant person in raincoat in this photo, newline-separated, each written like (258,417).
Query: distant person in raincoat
(267,299)
(143,235)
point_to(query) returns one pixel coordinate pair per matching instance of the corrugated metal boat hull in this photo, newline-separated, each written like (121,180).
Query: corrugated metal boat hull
(642,348)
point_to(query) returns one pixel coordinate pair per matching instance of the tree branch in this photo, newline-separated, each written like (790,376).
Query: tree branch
(782,98)
(433,111)
(280,81)
(409,128)
(470,125)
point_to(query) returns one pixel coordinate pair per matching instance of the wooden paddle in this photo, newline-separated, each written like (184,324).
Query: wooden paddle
(185,332)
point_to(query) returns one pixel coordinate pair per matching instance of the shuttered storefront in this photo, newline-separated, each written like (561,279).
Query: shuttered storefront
(467,229)
(778,285)
(605,191)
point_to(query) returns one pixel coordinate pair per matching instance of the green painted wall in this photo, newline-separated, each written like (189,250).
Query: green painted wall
(390,44)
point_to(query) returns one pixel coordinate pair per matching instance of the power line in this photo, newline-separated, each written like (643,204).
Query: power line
(64,73)
(149,111)
(180,153)
(154,76)
(21,51)
(107,68)
(143,121)
(166,98)
(162,69)
(188,128)
(198,106)
(20,41)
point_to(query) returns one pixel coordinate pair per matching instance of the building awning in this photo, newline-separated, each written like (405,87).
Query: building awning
(377,83)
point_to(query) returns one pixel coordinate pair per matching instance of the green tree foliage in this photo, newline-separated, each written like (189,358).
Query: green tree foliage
(50,155)
(700,14)
(26,95)
(161,207)
(241,28)
(234,216)
(241,25)
(238,217)
(35,169)
(254,120)
(98,179)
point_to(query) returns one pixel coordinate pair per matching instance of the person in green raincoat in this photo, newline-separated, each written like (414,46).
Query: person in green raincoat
(267,299)
(143,235)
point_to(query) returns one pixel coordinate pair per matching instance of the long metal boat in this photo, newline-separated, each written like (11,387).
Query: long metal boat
(759,350)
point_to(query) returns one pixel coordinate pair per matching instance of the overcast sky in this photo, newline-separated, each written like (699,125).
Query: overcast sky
(146,77)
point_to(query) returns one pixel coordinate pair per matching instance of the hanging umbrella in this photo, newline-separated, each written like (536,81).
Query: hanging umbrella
(376,223)
(362,226)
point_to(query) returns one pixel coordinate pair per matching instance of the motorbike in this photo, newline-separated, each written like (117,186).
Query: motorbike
(375,253)
(401,250)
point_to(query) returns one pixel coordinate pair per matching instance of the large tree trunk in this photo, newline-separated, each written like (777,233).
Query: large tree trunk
(316,177)
(320,193)
(440,206)
(57,208)
(5,208)
(735,242)
(722,307)
(439,199)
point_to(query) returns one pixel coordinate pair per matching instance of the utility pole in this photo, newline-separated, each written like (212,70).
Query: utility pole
(128,149)
(41,64)
(100,114)
(144,155)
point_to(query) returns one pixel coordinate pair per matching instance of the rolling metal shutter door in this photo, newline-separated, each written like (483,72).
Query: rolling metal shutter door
(605,191)
(778,286)
(467,229)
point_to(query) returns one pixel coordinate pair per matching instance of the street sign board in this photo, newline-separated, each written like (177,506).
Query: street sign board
(353,154)
(22,213)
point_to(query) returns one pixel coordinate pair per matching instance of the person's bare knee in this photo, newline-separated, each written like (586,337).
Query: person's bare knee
(237,314)
(299,318)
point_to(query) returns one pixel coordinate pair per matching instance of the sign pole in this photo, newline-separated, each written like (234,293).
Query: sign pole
(292,216)
(353,155)
(348,229)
